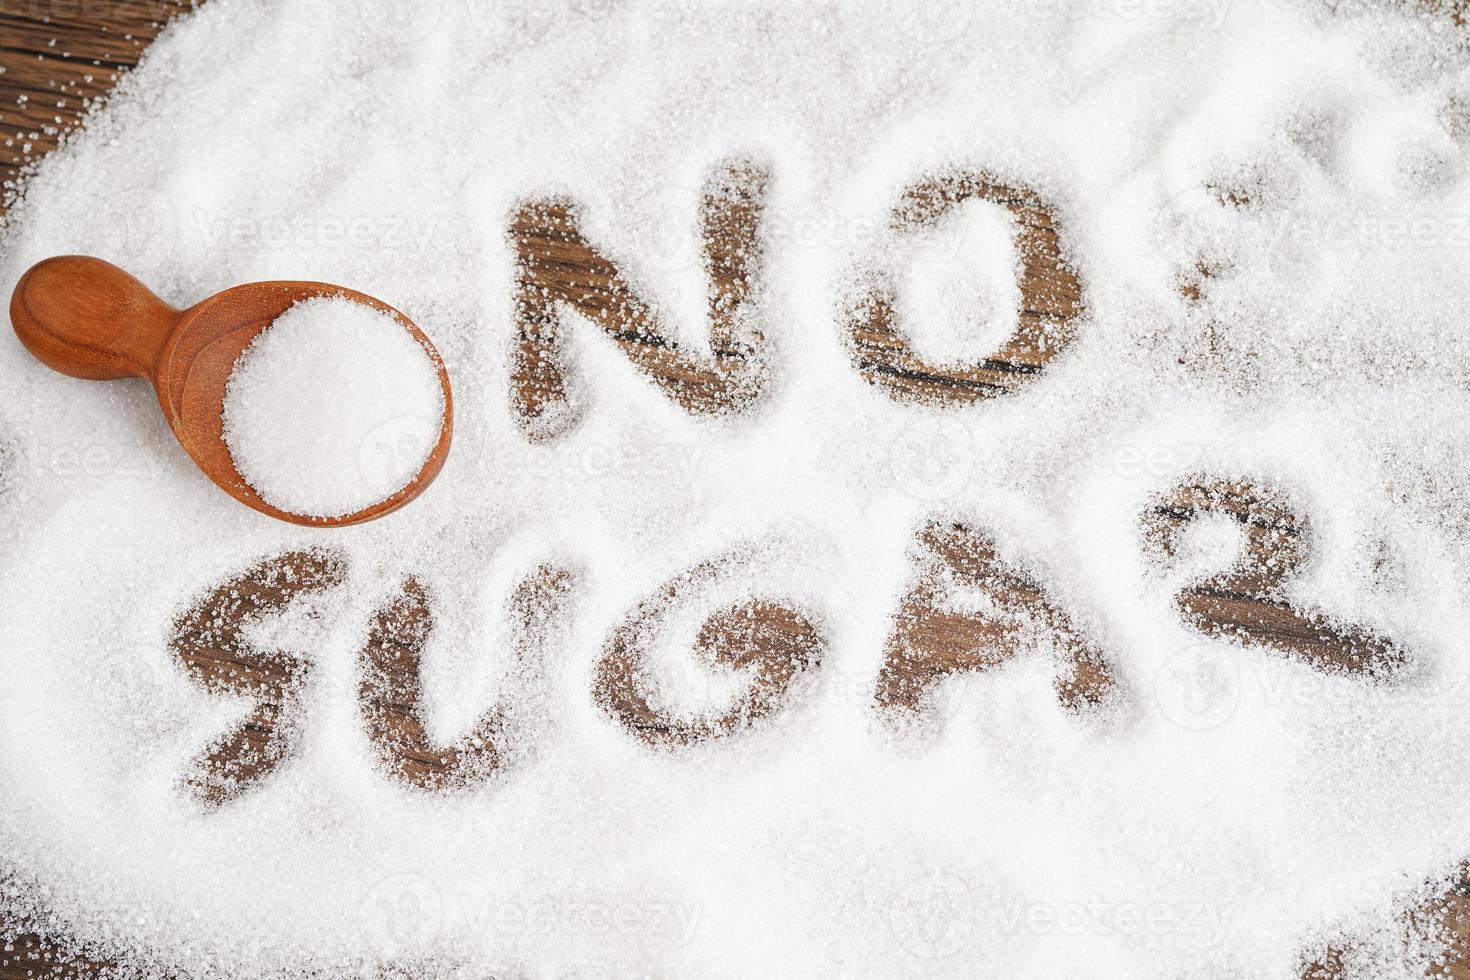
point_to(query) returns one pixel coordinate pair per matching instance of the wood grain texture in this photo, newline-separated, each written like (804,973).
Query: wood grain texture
(557,266)
(773,644)
(208,641)
(1051,299)
(390,688)
(57,55)
(933,638)
(1251,602)
(89,319)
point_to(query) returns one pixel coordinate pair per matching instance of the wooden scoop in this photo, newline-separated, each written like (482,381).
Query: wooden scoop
(89,319)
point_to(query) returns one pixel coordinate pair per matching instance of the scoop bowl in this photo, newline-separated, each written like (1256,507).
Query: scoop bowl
(89,319)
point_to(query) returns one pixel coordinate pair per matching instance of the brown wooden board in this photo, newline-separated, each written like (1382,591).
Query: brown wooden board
(58,55)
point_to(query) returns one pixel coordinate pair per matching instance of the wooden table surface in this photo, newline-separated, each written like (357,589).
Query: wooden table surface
(55,55)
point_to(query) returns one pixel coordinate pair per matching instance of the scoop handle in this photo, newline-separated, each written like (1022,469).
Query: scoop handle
(89,319)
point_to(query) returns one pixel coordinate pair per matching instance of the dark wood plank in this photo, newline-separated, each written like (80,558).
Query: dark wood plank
(58,56)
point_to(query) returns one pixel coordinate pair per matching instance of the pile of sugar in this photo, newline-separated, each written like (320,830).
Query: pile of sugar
(1326,350)
(332,408)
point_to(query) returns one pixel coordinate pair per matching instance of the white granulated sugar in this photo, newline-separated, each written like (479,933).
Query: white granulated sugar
(332,408)
(959,290)
(1234,828)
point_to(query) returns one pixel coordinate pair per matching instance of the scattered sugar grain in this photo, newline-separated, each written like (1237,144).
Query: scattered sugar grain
(332,408)
(1326,349)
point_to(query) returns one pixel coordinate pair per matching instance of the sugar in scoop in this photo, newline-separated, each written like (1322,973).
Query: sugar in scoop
(87,318)
(332,409)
